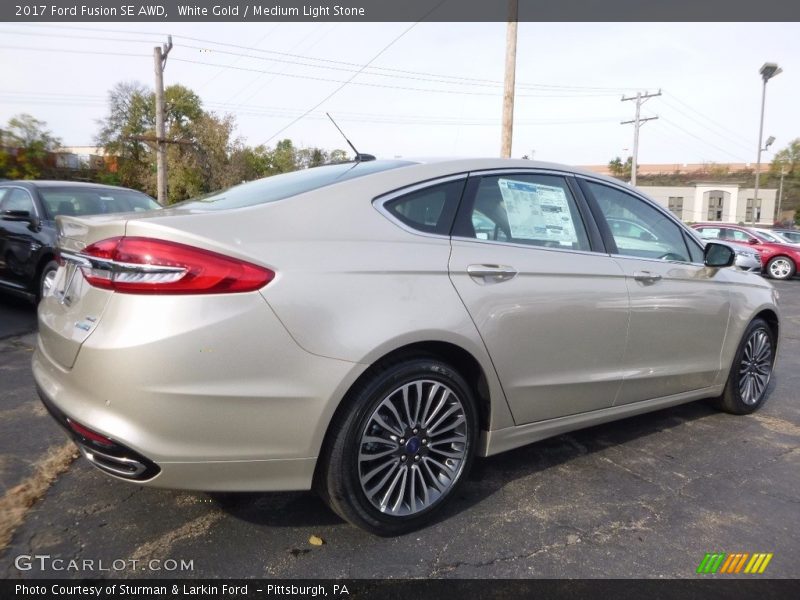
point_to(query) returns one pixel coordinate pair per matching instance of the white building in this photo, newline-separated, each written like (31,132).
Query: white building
(723,202)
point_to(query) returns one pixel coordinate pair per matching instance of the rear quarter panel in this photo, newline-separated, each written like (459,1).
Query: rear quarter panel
(350,284)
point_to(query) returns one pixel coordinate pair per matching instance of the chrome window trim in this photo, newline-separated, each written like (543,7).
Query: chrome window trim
(521,171)
(529,246)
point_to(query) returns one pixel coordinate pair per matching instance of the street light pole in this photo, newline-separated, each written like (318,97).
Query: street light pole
(767,71)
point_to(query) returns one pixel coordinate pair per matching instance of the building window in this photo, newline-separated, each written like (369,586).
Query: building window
(748,217)
(675,206)
(715,202)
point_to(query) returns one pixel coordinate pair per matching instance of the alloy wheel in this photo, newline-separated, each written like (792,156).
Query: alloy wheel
(780,268)
(756,367)
(413,448)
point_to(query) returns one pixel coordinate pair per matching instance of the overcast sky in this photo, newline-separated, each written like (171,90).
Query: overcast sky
(437,91)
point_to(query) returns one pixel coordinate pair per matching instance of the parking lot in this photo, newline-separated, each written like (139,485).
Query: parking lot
(642,497)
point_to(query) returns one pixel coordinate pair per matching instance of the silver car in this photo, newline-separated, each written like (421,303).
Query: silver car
(366,329)
(746,259)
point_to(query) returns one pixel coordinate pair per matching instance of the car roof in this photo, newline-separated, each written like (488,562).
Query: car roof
(718,224)
(50,183)
(492,163)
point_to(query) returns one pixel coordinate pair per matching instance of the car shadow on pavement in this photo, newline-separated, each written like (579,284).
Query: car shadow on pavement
(487,477)
(17,316)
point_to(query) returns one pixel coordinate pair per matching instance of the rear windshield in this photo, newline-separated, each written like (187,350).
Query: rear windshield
(282,186)
(93,201)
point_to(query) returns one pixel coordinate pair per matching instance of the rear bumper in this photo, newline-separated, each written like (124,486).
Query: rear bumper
(218,398)
(124,463)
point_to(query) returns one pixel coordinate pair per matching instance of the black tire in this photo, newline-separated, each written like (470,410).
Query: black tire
(737,399)
(343,464)
(781,268)
(48,270)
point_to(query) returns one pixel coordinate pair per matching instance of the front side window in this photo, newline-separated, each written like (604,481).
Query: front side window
(18,200)
(535,210)
(764,236)
(639,229)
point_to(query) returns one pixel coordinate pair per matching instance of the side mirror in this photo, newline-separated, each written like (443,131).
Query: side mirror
(718,255)
(16,215)
(752,241)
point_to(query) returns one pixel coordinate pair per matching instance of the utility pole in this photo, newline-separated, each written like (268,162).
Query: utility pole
(160,61)
(637,122)
(510,79)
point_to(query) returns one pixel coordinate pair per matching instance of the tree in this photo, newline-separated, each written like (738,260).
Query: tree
(203,153)
(619,169)
(25,144)
(787,160)
(131,115)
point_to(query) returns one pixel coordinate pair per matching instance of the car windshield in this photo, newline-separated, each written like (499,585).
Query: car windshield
(769,237)
(792,236)
(79,201)
(278,187)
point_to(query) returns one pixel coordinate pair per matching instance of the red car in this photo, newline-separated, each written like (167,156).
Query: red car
(778,260)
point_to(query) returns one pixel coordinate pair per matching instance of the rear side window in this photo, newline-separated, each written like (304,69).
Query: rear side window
(710,233)
(535,210)
(429,210)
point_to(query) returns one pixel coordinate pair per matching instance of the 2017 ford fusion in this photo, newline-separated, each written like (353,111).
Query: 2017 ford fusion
(366,329)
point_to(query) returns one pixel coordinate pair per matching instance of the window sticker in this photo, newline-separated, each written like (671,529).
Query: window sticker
(538,212)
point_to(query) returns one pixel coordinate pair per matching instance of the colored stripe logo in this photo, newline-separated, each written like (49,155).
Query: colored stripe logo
(737,562)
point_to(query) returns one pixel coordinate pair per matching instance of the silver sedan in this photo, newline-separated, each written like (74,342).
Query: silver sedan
(367,328)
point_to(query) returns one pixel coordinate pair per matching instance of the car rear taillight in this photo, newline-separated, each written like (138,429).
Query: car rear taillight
(136,265)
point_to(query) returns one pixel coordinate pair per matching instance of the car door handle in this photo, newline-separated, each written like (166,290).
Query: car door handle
(491,273)
(646,276)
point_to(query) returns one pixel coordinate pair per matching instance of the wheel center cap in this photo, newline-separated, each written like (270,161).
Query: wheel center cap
(412,445)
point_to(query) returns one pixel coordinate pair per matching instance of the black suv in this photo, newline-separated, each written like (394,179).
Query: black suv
(28,230)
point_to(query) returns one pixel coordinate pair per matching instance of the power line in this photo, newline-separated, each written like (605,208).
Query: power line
(55,98)
(271,79)
(687,132)
(421,77)
(520,85)
(77,37)
(706,127)
(222,70)
(707,118)
(71,51)
(344,83)
(392,87)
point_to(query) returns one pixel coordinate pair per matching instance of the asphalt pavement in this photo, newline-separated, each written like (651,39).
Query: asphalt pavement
(648,496)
